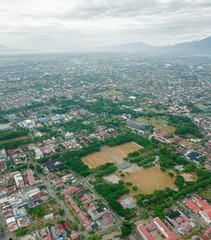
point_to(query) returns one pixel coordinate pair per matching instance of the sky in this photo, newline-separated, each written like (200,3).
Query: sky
(72,24)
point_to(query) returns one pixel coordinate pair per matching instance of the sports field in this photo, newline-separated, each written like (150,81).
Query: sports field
(96,159)
(122,150)
(150,179)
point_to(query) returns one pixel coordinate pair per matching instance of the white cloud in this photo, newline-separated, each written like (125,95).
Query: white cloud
(63,23)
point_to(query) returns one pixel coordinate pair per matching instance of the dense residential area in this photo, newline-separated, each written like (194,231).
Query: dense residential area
(105,147)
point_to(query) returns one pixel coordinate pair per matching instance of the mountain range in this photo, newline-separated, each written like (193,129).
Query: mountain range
(201,47)
(195,47)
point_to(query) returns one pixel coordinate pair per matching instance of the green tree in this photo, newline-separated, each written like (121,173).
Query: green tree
(144,214)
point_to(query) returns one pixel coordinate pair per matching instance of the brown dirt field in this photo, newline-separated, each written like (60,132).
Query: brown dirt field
(96,159)
(150,179)
(122,150)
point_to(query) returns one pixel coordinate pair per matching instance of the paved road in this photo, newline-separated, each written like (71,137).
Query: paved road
(49,189)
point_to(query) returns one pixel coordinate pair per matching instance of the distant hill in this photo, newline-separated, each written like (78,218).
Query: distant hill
(195,47)
(7,50)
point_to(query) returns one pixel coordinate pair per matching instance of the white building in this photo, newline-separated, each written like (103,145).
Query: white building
(68,135)
(19,180)
(38,153)
(30,124)
(3,154)
(4,127)
(206,215)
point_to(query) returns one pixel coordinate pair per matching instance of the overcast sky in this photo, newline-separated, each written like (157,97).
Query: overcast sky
(62,24)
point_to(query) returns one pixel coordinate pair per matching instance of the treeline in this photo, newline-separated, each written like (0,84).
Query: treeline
(14,143)
(76,125)
(13,134)
(3,120)
(72,159)
(143,157)
(184,126)
(106,169)
(169,159)
(112,192)
(147,161)
(194,108)
(124,138)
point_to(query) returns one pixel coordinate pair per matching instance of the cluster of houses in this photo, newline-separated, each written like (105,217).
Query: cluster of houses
(58,231)
(199,207)
(145,231)
(10,182)
(88,205)
(14,207)
(180,221)
(165,137)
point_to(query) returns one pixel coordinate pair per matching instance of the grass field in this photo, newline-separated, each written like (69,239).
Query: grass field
(150,179)
(157,122)
(96,159)
(122,150)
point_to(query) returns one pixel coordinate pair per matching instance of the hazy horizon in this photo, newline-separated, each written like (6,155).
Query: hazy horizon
(59,25)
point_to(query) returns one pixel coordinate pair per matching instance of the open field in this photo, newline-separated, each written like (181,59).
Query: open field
(122,150)
(150,179)
(96,159)
(157,122)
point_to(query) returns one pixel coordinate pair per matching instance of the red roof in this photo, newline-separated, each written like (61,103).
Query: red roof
(192,205)
(208,212)
(47,238)
(160,224)
(67,225)
(201,203)
(143,230)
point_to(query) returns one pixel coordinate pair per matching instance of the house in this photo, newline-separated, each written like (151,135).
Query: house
(53,164)
(47,238)
(30,124)
(195,156)
(53,232)
(206,214)
(19,180)
(75,236)
(192,206)
(42,233)
(3,166)
(67,226)
(97,212)
(68,135)
(4,127)
(23,222)
(38,153)
(3,154)
(61,229)
(163,228)
(146,235)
